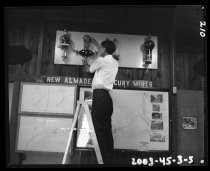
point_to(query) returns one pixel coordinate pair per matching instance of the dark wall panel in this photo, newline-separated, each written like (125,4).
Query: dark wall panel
(27,33)
(190,142)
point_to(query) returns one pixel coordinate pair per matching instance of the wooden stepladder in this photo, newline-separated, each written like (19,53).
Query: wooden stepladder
(69,147)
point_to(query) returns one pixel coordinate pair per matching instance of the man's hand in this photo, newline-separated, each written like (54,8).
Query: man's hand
(84,62)
(86,65)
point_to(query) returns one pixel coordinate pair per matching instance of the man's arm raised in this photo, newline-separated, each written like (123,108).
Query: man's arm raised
(93,41)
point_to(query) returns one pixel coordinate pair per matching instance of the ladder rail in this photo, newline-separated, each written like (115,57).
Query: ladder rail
(65,158)
(93,134)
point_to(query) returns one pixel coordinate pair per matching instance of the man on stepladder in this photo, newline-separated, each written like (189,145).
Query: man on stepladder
(105,68)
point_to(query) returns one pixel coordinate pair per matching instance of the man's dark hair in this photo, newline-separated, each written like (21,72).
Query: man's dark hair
(109,46)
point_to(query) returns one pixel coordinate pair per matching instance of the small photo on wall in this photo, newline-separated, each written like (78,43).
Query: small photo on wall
(157,98)
(157,125)
(156,137)
(156,107)
(189,123)
(156,115)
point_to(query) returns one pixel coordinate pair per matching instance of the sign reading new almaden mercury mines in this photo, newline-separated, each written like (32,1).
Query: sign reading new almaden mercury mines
(87,82)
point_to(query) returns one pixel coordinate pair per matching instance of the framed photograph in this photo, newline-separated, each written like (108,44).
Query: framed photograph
(156,107)
(157,125)
(189,123)
(157,98)
(157,137)
(156,115)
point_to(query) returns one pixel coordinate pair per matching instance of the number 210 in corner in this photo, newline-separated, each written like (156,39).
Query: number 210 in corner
(202,28)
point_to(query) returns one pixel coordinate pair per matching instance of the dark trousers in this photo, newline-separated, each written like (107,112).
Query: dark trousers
(102,109)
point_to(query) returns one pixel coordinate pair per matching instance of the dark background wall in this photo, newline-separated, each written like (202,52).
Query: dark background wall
(177,28)
(36,29)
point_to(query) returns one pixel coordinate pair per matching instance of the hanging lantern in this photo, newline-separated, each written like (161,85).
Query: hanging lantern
(86,52)
(64,44)
(148,45)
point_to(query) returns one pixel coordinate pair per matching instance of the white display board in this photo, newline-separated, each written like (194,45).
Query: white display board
(47,98)
(140,121)
(129,48)
(42,134)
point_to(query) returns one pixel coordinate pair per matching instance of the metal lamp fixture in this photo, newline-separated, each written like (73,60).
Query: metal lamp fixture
(86,52)
(148,45)
(64,44)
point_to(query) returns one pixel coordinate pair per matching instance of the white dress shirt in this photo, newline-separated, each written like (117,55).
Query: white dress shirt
(105,69)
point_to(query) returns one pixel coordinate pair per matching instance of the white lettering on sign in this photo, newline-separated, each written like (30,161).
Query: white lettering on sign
(143,83)
(66,80)
(57,79)
(150,84)
(88,81)
(127,83)
(76,80)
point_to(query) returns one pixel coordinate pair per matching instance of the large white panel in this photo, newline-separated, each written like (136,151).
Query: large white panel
(43,134)
(129,49)
(47,98)
(140,121)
